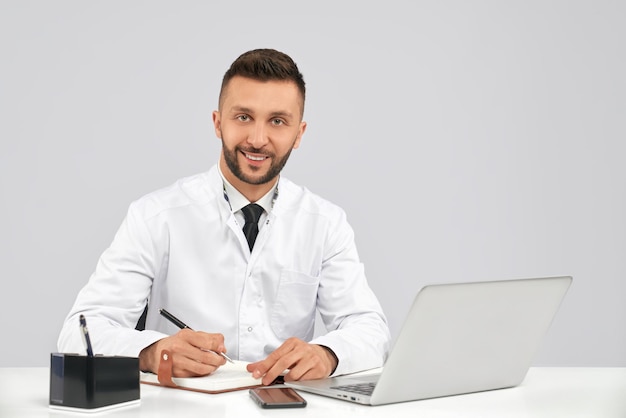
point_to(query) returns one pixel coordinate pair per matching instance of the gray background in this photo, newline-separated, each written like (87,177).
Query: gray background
(490,133)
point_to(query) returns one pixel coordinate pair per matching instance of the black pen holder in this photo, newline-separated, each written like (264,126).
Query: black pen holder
(92,382)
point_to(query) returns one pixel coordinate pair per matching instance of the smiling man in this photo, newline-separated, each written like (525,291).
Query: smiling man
(241,254)
(259,122)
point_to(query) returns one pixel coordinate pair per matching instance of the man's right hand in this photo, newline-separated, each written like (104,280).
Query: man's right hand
(190,353)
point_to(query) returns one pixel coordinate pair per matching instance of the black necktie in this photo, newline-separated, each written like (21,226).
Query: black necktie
(252,213)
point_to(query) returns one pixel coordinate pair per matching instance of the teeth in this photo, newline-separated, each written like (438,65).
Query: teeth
(255,158)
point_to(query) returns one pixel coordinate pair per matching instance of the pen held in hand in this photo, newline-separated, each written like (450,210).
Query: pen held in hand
(180,324)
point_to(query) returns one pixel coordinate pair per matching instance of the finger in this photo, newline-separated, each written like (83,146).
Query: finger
(276,359)
(305,370)
(190,360)
(312,363)
(195,362)
(286,363)
(207,343)
(204,340)
(259,368)
(251,367)
(187,367)
(303,363)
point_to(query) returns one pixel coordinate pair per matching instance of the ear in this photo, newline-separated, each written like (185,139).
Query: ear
(217,123)
(296,143)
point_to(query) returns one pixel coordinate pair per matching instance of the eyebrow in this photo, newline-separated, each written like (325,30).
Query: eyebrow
(280,113)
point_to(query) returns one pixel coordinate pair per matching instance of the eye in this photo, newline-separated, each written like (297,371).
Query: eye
(243,118)
(277,122)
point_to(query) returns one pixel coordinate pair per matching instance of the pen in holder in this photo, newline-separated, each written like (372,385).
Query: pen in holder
(87,382)
(92,382)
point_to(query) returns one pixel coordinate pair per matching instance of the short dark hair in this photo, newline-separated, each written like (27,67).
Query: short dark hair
(265,65)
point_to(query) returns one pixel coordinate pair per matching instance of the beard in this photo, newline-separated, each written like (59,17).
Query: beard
(276,166)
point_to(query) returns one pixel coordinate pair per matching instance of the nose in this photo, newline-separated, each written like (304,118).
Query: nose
(257,137)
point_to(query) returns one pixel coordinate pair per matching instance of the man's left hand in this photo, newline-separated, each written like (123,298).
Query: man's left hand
(303,360)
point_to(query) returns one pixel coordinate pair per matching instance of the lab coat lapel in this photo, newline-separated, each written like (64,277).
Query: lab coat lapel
(227,216)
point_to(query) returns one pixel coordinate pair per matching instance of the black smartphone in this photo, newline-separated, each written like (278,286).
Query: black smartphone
(277,398)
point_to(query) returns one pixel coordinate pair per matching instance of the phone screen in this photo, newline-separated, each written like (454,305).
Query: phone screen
(277,398)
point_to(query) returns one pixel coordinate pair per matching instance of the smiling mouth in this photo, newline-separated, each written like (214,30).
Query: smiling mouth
(254,157)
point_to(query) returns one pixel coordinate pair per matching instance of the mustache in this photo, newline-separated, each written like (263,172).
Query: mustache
(252,150)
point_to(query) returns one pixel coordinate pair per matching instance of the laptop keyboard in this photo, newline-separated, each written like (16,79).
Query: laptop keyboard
(360,388)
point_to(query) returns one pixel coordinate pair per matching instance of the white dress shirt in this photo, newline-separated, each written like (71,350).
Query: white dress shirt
(181,248)
(237,201)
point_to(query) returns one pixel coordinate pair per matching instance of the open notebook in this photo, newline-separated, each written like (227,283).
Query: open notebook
(458,338)
(229,377)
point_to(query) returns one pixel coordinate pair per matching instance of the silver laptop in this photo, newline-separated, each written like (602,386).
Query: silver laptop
(458,338)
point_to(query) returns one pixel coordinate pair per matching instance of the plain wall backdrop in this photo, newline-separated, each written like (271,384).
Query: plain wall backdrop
(466,140)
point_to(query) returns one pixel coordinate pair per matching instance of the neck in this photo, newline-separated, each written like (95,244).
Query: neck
(252,192)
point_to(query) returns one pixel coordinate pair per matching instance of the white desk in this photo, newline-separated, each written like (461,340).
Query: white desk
(546,392)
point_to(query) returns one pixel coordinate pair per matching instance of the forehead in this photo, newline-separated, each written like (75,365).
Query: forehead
(271,95)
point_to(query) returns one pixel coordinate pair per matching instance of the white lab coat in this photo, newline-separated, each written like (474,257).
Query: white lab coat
(181,248)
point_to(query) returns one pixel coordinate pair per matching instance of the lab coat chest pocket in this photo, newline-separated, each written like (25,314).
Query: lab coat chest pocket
(293,313)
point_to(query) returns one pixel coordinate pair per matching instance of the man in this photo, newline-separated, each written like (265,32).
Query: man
(183,249)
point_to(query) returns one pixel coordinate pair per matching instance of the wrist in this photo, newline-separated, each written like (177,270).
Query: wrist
(332,358)
(146,359)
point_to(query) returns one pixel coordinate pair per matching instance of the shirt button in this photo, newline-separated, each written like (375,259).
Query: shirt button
(249,329)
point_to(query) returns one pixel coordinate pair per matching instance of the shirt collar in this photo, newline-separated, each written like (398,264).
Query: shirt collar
(238,201)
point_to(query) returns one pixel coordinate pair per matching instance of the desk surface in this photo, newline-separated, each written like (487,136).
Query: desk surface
(546,392)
